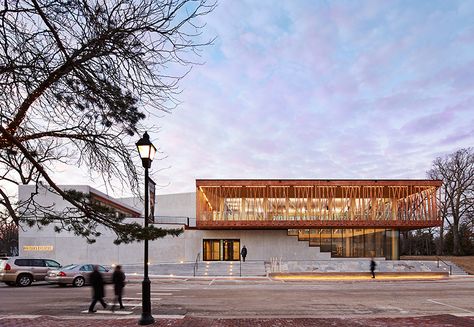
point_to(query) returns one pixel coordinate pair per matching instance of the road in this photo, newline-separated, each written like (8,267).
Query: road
(248,298)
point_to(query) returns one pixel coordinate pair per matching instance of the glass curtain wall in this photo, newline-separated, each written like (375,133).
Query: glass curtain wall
(317,202)
(352,242)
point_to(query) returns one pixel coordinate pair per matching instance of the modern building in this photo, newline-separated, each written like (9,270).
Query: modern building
(288,219)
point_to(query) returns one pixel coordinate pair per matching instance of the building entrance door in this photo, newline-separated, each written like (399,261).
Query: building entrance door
(231,250)
(221,250)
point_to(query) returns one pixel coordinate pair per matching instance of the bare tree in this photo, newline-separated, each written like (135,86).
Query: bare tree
(8,238)
(457,194)
(77,78)
(442,200)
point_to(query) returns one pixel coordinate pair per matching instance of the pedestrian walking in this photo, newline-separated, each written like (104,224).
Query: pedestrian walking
(118,278)
(243,253)
(97,283)
(372,267)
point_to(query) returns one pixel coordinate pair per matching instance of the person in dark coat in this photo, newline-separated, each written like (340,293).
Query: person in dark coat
(118,278)
(372,267)
(243,253)
(97,283)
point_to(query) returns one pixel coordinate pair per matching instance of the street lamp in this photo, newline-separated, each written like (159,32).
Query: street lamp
(147,152)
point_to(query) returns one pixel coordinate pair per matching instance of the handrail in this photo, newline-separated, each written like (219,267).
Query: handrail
(196,264)
(450,267)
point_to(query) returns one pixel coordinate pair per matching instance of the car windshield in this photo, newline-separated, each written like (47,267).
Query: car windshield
(69,267)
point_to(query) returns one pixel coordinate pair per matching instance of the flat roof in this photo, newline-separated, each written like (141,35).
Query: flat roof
(322,182)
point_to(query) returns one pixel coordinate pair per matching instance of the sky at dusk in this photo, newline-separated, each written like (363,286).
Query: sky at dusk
(322,90)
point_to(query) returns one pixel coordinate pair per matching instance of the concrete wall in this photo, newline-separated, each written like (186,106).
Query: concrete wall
(261,245)
(264,244)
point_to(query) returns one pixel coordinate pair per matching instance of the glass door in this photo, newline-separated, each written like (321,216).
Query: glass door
(211,250)
(221,250)
(231,250)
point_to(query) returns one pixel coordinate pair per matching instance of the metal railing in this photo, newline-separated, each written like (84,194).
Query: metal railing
(174,220)
(196,264)
(450,267)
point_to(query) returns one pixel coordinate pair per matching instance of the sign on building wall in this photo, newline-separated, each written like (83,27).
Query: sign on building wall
(151,197)
(38,248)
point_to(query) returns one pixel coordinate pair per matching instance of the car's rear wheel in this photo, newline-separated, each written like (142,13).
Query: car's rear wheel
(24,280)
(10,283)
(78,282)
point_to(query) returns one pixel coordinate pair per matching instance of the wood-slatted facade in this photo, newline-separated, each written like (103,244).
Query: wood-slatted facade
(296,204)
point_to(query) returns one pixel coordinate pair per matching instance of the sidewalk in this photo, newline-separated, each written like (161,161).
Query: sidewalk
(431,321)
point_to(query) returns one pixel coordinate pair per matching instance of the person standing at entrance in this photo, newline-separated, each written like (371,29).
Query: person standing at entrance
(372,267)
(118,278)
(243,253)
(97,283)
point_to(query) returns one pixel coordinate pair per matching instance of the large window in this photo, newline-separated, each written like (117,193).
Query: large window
(326,240)
(336,245)
(358,243)
(348,242)
(314,237)
(369,243)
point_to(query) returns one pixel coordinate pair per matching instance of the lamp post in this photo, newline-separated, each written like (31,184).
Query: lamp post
(147,152)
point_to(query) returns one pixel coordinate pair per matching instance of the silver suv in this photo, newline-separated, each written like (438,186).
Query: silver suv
(23,271)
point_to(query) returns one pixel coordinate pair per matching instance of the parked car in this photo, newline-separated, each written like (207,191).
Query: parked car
(23,271)
(77,275)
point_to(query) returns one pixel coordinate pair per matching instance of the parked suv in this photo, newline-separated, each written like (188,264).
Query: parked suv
(23,271)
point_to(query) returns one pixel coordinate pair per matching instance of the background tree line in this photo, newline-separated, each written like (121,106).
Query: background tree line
(456,208)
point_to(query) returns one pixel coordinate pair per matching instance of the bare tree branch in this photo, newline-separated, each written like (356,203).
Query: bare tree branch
(77,80)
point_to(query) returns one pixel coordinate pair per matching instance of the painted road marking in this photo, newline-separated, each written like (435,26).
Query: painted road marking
(110,312)
(391,307)
(158,293)
(126,305)
(139,298)
(449,305)
(169,316)
(136,306)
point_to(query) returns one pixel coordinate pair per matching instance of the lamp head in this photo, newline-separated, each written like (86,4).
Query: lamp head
(146,150)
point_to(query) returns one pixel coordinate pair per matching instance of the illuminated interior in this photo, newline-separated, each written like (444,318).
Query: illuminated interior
(352,242)
(221,250)
(314,203)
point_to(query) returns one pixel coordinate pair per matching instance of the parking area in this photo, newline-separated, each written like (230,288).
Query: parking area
(231,300)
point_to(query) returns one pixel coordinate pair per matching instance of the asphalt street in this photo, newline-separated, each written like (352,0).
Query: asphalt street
(249,298)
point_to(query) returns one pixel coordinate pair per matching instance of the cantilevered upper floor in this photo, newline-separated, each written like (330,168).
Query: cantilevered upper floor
(288,204)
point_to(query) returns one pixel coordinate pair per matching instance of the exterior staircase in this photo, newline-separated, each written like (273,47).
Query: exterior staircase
(357,265)
(231,268)
(455,269)
(262,268)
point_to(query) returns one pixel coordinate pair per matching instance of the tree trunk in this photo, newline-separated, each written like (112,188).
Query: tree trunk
(456,240)
(440,247)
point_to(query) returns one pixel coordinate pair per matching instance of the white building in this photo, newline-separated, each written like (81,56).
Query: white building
(218,244)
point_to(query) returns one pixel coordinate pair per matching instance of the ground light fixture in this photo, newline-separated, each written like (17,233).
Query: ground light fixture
(147,152)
